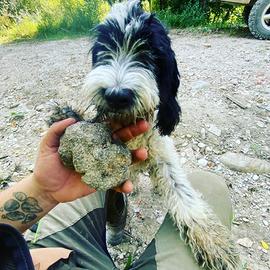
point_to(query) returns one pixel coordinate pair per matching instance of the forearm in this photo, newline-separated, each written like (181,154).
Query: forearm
(24,204)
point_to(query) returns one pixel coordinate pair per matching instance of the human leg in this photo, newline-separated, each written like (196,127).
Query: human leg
(167,250)
(79,226)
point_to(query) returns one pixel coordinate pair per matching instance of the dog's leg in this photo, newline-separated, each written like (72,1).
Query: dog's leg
(199,227)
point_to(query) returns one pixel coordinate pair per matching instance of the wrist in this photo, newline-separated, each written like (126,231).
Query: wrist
(24,204)
(42,193)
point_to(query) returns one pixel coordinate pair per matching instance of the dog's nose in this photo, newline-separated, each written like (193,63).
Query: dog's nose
(119,98)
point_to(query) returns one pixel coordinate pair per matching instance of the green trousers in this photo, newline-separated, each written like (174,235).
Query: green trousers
(81,226)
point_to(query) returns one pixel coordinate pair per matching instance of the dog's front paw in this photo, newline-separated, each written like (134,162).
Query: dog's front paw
(59,113)
(212,246)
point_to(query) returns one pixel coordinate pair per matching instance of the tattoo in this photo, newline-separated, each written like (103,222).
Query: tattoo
(21,208)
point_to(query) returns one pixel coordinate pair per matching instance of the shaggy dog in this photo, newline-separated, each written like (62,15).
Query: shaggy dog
(135,76)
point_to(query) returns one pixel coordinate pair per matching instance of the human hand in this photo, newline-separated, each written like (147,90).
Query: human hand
(62,184)
(126,134)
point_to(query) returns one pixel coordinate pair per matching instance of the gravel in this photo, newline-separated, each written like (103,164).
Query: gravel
(212,67)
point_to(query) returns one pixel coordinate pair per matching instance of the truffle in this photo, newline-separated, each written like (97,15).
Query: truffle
(89,149)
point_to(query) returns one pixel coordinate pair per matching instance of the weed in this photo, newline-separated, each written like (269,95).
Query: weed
(129,262)
(15,116)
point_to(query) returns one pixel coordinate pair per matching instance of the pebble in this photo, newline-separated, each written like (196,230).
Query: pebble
(243,163)
(260,124)
(200,85)
(183,160)
(223,87)
(245,242)
(40,107)
(245,219)
(265,223)
(121,256)
(160,220)
(201,145)
(202,162)
(238,142)
(203,133)
(214,130)
(255,177)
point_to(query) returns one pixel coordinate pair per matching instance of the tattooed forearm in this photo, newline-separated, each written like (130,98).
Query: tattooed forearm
(20,208)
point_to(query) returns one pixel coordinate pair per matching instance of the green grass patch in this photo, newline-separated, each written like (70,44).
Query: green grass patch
(50,19)
(190,16)
(214,18)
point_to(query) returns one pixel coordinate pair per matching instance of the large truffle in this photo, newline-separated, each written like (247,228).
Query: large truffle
(88,148)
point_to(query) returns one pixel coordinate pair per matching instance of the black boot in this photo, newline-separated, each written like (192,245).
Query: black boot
(116,203)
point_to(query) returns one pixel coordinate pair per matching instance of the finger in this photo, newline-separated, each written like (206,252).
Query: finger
(51,139)
(128,133)
(115,125)
(139,155)
(126,187)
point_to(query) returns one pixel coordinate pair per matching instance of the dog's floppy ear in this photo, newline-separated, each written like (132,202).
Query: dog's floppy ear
(168,78)
(169,110)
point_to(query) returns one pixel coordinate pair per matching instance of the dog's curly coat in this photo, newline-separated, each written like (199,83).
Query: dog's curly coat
(134,76)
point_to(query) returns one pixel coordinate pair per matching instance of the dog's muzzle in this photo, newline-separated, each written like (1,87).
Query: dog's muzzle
(119,99)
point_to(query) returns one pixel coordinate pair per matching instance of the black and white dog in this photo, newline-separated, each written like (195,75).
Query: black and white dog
(135,76)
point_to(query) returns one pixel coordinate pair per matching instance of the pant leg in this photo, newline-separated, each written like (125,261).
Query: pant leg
(167,250)
(79,226)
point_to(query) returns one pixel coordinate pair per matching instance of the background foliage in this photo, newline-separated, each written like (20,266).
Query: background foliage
(25,19)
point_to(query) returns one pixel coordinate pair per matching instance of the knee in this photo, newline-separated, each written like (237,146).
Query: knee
(215,192)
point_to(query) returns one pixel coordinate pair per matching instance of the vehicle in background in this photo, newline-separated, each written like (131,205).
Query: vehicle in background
(256,15)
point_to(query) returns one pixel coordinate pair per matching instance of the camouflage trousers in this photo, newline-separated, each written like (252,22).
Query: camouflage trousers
(80,226)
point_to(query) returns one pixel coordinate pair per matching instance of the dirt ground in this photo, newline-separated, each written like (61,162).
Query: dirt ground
(212,67)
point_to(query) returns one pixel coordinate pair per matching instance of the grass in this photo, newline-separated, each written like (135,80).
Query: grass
(52,19)
(190,16)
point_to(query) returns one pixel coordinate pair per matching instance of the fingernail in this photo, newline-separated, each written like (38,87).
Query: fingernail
(73,120)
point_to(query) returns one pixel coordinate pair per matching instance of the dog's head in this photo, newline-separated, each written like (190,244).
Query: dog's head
(134,69)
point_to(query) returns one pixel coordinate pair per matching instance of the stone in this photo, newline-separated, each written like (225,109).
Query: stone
(214,130)
(245,219)
(260,124)
(265,223)
(203,133)
(201,145)
(200,85)
(207,45)
(89,149)
(243,163)
(245,242)
(238,142)
(255,177)
(202,162)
